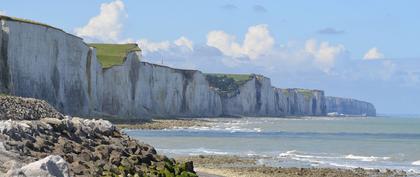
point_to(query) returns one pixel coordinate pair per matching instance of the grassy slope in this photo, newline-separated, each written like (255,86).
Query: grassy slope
(239,78)
(227,83)
(113,54)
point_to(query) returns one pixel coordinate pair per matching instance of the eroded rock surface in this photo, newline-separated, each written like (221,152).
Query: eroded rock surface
(17,108)
(89,147)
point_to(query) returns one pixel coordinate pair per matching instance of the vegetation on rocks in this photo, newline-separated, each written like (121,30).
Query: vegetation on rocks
(227,83)
(306,93)
(113,54)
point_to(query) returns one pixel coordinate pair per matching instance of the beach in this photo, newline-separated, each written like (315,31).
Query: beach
(235,166)
(309,146)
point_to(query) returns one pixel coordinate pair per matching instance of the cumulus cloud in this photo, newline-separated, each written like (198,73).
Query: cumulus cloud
(148,46)
(373,54)
(183,41)
(258,41)
(257,50)
(323,53)
(107,26)
(330,31)
(2,12)
(259,9)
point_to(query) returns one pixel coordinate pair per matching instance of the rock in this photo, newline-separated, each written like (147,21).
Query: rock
(76,146)
(51,166)
(17,108)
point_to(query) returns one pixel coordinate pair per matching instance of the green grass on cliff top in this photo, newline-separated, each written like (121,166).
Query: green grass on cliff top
(236,77)
(113,54)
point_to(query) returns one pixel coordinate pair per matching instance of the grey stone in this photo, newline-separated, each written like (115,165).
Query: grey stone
(51,166)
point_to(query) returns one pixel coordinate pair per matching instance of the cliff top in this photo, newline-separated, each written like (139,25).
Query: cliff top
(238,78)
(15,19)
(25,21)
(113,54)
(227,83)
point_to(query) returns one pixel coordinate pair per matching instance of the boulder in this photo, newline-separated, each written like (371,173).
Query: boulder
(51,166)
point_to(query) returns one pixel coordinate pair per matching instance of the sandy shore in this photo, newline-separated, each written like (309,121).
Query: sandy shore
(234,166)
(159,124)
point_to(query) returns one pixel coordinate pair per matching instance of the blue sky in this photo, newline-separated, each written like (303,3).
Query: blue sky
(365,49)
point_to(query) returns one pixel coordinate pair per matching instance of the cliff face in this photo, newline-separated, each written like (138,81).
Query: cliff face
(257,97)
(300,101)
(349,106)
(43,62)
(138,88)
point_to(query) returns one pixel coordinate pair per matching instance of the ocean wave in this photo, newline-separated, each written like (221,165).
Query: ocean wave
(416,163)
(335,160)
(231,129)
(195,151)
(366,158)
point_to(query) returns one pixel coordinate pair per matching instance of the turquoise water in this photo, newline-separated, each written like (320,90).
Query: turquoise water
(373,142)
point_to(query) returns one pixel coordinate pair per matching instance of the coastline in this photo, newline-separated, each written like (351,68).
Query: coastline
(235,166)
(160,124)
(248,166)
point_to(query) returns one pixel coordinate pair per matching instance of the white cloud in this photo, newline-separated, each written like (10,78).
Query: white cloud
(106,26)
(149,46)
(2,12)
(323,53)
(258,42)
(373,54)
(183,41)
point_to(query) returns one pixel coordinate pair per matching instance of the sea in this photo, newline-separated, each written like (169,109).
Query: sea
(383,142)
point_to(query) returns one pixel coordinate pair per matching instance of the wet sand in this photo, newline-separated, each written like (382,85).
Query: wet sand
(159,124)
(234,166)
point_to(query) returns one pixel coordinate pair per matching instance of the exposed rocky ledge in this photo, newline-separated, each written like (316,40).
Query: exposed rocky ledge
(88,147)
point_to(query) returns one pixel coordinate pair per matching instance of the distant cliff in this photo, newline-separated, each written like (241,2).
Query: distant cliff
(253,95)
(44,62)
(349,106)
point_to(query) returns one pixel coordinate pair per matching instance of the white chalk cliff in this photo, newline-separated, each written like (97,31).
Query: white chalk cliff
(44,62)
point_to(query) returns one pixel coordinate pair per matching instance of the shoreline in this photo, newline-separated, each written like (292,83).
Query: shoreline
(236,166)
(160,124)
(181,123)
(239,166)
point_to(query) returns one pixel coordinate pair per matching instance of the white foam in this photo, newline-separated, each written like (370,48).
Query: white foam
(195,151)
(366,158)
(220,128)
(416,163)
(335,160)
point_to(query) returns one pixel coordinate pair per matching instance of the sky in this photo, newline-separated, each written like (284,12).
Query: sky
(363,49)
